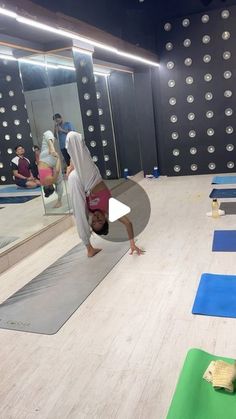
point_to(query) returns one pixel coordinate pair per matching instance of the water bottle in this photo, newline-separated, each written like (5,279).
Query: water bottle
(156,172)
(126,173)
(215,208)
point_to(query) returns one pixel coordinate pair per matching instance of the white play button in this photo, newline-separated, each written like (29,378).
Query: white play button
(117,209)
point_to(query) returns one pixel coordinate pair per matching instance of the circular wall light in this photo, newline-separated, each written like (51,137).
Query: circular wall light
(187,43)
(192,133)
(211,149)
(171,83)
(191,116)
(167,27)
(185,23)
(194,167)
(209,114)
(207,58)
(227,74)
(225,35)
(228,112)
(229,130)
(175,135)
(208,96)
(206,39)
(173,118)
(175,152)
(205,18)
(169,46)
(228,93)
(210,132)
(225,14)
(226,55)
(172,101)
(170,65)
(177,168)
(188,61)
(193,150)
(229,147)
(190,98)
(230,164)
(211,166)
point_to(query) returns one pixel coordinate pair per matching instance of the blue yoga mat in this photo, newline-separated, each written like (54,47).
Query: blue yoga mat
(16,199)
(223,180)
(224,241)
(216,296)
(13,189)
(223,193)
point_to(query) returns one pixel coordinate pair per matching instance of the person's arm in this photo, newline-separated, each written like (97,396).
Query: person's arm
(51,147)
(80,211)
(129,228)
(18,175)
(69,169)
(69,127)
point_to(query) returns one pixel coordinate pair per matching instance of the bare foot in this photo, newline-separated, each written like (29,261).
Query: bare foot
(92,252)
(58,204)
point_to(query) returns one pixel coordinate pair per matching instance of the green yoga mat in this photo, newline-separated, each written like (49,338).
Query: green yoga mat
(194,397)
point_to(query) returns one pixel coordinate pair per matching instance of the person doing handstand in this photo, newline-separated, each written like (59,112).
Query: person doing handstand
(89,195)
(49,166)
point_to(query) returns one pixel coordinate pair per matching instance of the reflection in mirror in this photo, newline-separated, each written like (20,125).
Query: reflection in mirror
(42,80)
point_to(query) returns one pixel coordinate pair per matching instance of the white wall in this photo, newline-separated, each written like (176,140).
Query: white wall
(42,104)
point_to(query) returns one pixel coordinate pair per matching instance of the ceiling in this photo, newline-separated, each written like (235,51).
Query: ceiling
(132,20)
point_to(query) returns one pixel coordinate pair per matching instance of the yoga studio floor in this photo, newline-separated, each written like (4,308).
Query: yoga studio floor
(120,354)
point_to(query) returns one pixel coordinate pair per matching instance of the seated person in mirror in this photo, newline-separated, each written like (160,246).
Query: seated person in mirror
(61,130)
(90,196)
(22,172)
(49,166)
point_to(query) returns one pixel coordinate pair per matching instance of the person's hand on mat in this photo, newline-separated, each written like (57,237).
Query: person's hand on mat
(134,248)
(91,251)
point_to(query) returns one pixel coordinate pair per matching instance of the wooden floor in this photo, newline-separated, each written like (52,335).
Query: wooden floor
(120,354)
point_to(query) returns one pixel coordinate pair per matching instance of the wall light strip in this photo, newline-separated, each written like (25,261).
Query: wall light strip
(97,73)
(7,57)
(71,35)
(6,12)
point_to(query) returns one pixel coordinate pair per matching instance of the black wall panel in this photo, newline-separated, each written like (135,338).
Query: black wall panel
(194,88)
(14,124)
(145,118)
(122,94)
(106,127)
(89,107)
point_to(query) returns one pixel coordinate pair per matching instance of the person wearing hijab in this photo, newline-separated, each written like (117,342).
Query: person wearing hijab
(89,195)
(49,166)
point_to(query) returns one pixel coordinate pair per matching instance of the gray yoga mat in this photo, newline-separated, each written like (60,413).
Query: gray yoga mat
(228,207)
(48,301)
(4,241)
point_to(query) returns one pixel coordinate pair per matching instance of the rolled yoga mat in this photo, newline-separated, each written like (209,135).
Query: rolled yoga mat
(194,397)
(228,207)
(47,302)
(223,193)
(216,296)
(224,241)
(223,180)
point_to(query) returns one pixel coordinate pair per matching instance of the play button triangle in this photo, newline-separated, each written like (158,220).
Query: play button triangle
(117,209)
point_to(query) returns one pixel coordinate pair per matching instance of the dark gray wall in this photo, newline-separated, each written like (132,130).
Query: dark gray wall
(145,119)
(200,153)
(122,95)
